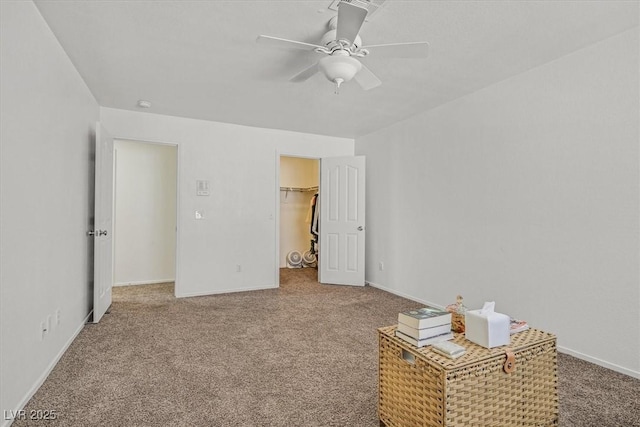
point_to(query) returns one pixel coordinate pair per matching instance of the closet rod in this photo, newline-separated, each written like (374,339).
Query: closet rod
(300,189)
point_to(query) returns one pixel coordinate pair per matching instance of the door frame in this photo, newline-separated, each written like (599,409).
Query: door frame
(178,156)
(277,210)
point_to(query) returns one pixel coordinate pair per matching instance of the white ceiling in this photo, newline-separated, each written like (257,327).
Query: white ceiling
(199,59)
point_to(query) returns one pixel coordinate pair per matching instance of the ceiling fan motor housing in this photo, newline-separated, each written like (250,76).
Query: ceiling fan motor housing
(330,42)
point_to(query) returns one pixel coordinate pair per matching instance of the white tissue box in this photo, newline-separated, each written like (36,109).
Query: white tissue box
(487,329)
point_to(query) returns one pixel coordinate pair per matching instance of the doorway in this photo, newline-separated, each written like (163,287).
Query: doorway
(145,214)
(298,239)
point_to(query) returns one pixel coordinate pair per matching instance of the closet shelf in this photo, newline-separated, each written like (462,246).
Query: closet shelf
(299,189)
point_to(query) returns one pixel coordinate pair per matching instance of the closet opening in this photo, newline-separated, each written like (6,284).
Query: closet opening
(299,181)
(145,219)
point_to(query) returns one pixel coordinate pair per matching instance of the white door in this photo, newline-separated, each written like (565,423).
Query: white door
(341,260)
(103,232)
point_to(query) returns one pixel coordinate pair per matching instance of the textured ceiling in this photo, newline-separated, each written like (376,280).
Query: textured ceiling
(199,59)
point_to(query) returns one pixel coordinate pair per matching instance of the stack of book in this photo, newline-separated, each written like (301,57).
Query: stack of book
(424,326)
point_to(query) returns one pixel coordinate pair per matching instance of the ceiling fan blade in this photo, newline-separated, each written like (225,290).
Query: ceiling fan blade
(366,79)
(278,42)
(305,74)
(350,20)
(399,50)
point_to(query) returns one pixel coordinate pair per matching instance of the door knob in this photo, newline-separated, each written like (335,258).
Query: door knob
(91,233)
(102,232)
(360,228)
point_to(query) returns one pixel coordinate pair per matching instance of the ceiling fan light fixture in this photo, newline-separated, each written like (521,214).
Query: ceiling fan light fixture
(339,68)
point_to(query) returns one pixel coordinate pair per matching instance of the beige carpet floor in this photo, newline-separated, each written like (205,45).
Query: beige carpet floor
(301,355)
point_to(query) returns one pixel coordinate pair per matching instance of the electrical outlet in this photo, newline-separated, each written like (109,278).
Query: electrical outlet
(238,268)
(57,316)
(380,266)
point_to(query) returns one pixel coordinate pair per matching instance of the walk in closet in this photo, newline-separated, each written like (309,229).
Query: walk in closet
(299,179)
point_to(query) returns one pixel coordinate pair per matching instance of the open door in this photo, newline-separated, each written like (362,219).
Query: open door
(103,233)
(342,221)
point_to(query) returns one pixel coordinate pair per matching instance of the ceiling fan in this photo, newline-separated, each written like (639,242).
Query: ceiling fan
(343,46)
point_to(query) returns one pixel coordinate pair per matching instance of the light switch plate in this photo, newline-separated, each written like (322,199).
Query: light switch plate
(202,188)
(199,214)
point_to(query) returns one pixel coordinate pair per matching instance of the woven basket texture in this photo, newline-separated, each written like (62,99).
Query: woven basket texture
(419,387)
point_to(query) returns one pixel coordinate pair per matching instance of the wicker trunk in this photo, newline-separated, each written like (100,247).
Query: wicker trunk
(418,387)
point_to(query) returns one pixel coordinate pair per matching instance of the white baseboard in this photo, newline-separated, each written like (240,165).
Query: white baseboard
(564,350)
(224,291)
(47,372)
(403,295)
(599,362)
(144,282)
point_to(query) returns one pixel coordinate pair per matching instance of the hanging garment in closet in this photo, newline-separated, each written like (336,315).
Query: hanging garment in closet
(309,218)
(314,216)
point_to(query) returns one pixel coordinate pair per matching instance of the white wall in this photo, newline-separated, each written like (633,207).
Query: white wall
(294,206)
(145,213)
(239,226)
(47,130)
(526,193)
